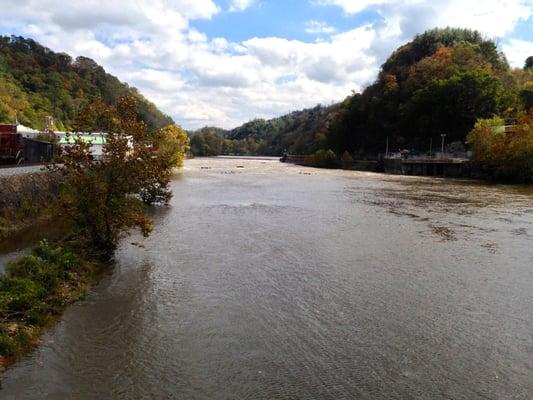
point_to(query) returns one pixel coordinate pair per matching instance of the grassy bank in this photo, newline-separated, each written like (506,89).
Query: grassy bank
(35,290)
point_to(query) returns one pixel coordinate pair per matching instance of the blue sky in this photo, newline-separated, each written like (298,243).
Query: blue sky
(287,19)
(223,62)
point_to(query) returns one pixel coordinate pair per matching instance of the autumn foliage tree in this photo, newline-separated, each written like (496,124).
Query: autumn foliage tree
(104,199)
(441,82)
(507,154)
(170,145)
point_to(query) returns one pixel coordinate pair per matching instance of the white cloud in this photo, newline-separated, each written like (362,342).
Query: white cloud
(213,81)
(495,18)
(326,61)
(349,6)
(517,51)
(240,5)
(318,27)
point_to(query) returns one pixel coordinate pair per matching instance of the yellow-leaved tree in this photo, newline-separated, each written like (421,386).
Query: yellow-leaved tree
(505,153)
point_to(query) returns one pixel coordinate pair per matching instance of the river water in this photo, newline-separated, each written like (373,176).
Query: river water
(271,281)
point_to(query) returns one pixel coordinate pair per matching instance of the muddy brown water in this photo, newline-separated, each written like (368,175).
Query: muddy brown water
(272,281)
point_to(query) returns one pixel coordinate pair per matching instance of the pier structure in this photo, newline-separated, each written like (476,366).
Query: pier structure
(439,165)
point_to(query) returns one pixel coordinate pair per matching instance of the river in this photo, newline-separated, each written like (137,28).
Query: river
(271,281)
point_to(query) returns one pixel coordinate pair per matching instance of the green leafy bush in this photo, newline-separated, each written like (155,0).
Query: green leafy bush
(322,159)
(35,288)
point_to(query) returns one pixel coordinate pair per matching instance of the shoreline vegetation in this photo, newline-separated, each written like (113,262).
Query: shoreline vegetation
(36,289)
(100,202)
(502,154)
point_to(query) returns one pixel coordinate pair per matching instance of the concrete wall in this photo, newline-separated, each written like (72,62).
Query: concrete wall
(35,188)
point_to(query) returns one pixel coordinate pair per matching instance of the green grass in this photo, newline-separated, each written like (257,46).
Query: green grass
(34,290)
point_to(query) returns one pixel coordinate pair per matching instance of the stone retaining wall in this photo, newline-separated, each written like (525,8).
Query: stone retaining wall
(36,189)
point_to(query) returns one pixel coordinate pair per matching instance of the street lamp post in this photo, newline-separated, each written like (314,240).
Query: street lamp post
(442,136)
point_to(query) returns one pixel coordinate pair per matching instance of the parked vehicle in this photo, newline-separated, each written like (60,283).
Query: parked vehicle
(17,149)
(11,145)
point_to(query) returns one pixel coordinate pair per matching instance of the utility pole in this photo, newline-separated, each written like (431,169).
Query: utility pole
(443,136)
(387,148)
(430,146)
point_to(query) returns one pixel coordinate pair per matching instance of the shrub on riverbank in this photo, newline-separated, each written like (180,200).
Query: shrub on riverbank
(505,154)
(103,200)
(322,159)
(37,288)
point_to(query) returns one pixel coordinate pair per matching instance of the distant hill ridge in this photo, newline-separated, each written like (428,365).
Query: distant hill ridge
(36,82)
(300,131)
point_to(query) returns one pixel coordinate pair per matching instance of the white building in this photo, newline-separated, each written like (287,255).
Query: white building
(97,141)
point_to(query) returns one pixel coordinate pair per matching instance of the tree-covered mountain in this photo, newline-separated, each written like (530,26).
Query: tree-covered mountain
(36,82)
(440,83)
(300,132)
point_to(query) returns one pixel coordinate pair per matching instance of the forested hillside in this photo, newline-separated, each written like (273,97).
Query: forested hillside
(300,132)
(36,82)
(440,83)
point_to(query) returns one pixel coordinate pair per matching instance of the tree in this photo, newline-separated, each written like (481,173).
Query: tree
(104,199)
(526,95)
(170,146)
(455,103)
(507,154)
(207,143)
(529,63)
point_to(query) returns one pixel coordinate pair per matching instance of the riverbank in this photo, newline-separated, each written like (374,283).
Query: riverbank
(35,290)
(16,222)
(25,200)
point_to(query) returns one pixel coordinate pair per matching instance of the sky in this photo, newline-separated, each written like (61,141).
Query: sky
(224,62)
